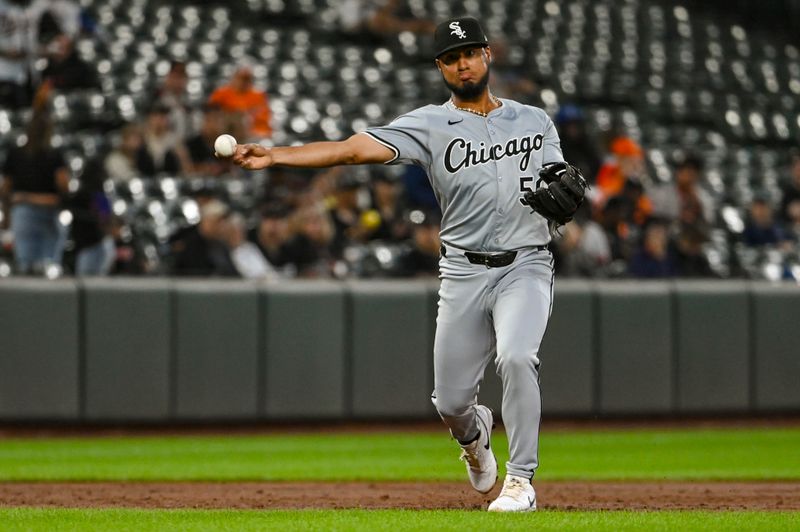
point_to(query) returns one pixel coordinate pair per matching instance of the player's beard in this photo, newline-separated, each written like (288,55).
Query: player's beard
(469,91)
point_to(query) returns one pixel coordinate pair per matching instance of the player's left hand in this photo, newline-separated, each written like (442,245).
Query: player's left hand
(252,156)
(563,194)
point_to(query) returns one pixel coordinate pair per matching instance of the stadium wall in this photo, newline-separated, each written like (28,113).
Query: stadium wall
(158,350)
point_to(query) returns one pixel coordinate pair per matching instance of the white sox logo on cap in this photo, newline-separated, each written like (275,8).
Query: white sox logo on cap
(457,31)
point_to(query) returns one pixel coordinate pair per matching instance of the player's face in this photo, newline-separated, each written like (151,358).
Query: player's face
(466,70)
(796,169)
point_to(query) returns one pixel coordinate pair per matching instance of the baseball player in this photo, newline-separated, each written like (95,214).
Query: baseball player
(498,173)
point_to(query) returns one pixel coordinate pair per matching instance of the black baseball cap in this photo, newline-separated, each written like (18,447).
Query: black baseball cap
(457,32)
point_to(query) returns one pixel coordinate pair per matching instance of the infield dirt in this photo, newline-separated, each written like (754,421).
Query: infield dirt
(557,495)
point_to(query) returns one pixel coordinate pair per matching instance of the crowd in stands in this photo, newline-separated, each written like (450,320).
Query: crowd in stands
(342,222)
(636,226)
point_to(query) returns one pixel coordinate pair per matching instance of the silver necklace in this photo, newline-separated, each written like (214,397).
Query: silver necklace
(494,99)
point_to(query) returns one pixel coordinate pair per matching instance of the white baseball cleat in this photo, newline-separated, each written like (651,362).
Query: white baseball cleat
(517,495)
(481,463)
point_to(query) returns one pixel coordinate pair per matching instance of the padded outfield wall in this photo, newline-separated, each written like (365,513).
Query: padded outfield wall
(160,350)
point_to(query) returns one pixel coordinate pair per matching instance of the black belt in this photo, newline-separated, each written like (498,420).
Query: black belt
(490,259)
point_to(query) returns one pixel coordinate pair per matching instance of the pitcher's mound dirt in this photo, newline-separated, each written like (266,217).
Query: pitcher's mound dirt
(410,495)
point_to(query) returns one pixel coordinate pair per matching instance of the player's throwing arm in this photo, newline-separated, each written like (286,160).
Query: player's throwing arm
(358,149)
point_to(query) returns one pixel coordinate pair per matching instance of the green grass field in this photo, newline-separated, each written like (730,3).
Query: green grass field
(722,454)
(389,520)
(620,454)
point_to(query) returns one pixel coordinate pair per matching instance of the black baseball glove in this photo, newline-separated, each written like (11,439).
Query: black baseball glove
(563,194)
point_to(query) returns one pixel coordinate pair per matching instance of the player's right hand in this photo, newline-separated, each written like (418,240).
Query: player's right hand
(252,156)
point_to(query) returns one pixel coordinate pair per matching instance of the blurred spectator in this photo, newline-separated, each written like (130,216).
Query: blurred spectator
(65,70)
(510,76)
(35,178)
(162,151)
(688,252)
(791,189)
(654,258)
(200,147)
(121,164)
(423,257)
(309,251)
(292,186)
(349,224)
(685,201)
(761,228)
(578,148)
(636,205)
(418,190)
(15,54)
(625,164)
(173,96)
(91,223)
(387,205)
(128,256)
(248,260)
(618,231)
(202,250)
(583,248)
(272,234)
(53,18)
(322,186)
(379,18)
(793,221)
(248,106)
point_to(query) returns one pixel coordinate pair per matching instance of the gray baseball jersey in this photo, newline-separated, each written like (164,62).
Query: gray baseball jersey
(479,169)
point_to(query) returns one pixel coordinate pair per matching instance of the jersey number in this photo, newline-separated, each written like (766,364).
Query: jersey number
(525,184)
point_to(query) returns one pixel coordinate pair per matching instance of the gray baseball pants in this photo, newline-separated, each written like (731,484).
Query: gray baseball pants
(486,312)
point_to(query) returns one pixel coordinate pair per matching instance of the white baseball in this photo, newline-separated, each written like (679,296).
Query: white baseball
(225,145)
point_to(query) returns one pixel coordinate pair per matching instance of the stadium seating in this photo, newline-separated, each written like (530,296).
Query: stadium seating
(670,76)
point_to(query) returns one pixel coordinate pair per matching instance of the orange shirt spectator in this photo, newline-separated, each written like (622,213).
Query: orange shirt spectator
(240,97)
(628,162)
(622,176)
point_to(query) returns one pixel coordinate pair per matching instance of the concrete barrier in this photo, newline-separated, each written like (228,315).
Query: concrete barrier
(160,350)
(305,353)
(128,349)
(636,359)
(40,365)
(216,349)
